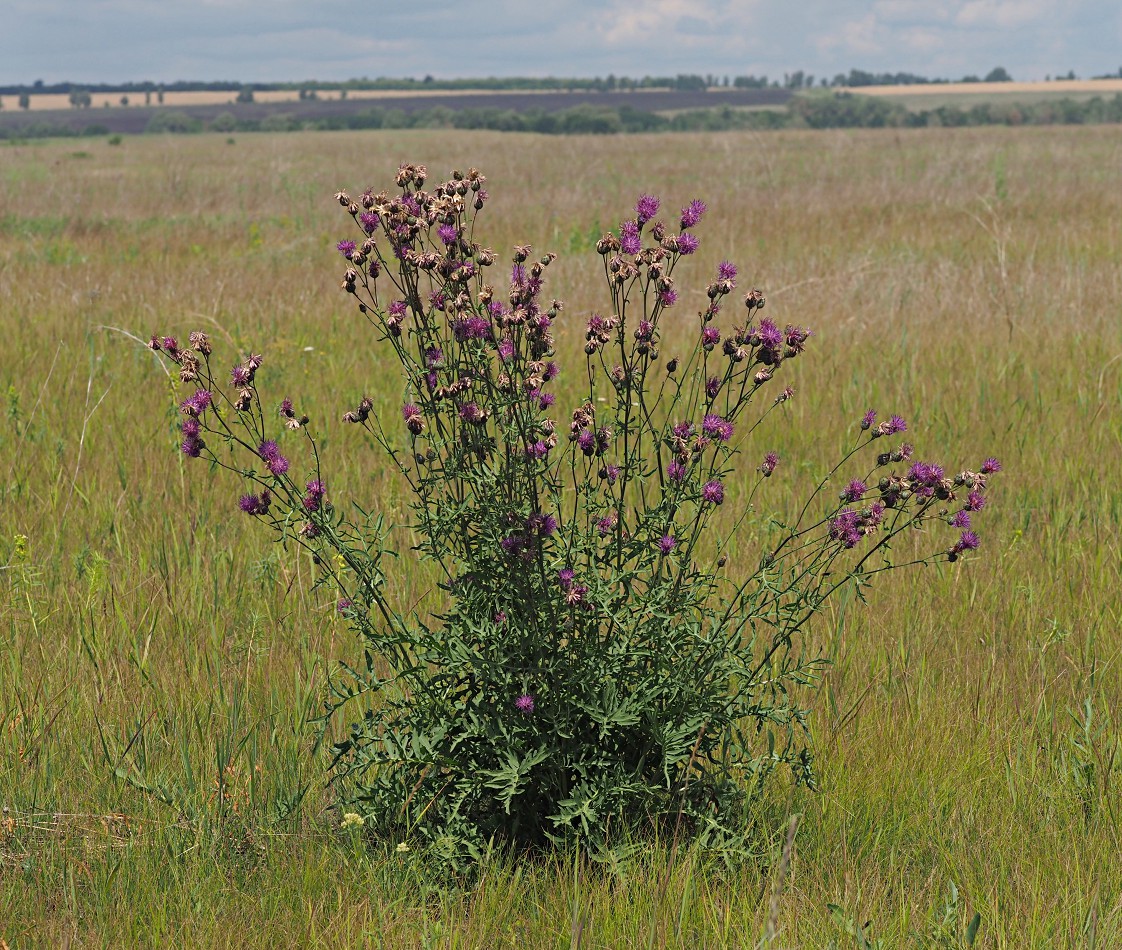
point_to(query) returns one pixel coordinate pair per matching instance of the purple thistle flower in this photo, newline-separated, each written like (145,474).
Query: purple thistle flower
(845,528)
(587,441)
(346,248)
(713,492)
(506,349)
(991,465)
(369,221)
(666,543)
(551,371)
(541,524)
(771,460)
(796,337)
(726,270)
(434,357)
(278,465)
(255,504)
(688,243)
(868,419)
(448,234)
(545,400)
(925,474)
(241,376)
(854,491)
(961,519)
(895,424)
(472,414)
(770,335)
(967,542)
(189,427)
(668,297)
(192,446)
(691,214)
(629,241)
(525,704)
(710,337)
(676,471)
(683,430)
(397,308)
(610,473)
(646,208)
(343,606)
(975,501)
(537,450)
(565,578)
(514,543)
(607,524)
(414,421)
(268,449)
(471,328)
(716,428)
(712,387)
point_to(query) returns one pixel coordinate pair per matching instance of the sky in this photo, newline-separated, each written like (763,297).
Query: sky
(92,41)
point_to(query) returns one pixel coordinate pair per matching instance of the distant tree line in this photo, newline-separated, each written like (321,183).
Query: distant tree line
(840,110)
(310,88)
(611,83)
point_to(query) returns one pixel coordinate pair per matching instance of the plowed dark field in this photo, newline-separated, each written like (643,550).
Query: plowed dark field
(136,118)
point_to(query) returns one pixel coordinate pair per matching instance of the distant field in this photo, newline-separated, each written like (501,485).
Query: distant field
(966,731)
(966,94)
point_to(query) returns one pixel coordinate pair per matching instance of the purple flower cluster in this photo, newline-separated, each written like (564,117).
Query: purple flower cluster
(197,403)
(629,241)
(574,593)
(255,504)
(271,455)
(414,420)
(525,704)
(471,413)
(691,214)
(713,492)
(925,478)
(646,208)
(688,244)
(346,248)
(471,328)
(541,524)
(716,428)
(666,544)
(316,491)
(771,460)
(849,526)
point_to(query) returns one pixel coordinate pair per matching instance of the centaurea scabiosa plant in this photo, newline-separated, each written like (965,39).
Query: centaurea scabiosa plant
(594,667)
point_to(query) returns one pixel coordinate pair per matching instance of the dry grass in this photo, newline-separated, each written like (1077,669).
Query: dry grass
(966,278)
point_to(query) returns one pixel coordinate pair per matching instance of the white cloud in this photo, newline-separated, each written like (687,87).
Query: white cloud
(1000,13)
(115,40)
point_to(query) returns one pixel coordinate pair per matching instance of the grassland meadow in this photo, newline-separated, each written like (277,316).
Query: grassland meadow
(163,662)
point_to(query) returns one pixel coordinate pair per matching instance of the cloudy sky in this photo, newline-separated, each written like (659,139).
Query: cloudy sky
(260,40)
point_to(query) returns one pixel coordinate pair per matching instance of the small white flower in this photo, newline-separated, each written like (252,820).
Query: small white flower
(403,847)
(352,819)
